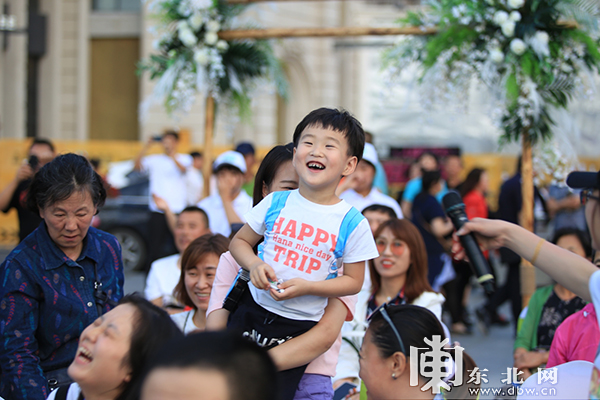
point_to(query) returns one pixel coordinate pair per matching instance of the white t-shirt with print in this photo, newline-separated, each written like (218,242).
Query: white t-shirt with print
(301,245)
(167,180)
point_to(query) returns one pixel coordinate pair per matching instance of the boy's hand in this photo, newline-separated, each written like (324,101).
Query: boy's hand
(293,288)
(262,275)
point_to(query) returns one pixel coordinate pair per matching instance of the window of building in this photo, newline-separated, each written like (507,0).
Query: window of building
(116,5)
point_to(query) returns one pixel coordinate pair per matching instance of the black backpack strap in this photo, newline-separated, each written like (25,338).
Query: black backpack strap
(61,392)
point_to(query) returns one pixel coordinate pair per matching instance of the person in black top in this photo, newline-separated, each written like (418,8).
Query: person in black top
(13,195)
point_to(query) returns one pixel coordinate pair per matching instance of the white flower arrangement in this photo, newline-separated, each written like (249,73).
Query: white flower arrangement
(189,57)
(520,49)
(518,46)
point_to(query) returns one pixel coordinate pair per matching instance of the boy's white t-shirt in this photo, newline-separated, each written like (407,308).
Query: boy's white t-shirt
(301,245)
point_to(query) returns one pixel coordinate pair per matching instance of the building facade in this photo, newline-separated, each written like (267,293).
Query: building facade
(84,87)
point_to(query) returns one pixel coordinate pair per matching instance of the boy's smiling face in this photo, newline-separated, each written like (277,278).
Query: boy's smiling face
(321,158)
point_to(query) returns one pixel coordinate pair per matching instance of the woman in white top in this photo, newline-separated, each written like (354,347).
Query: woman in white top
(114,350)
(398,276)
(198,268)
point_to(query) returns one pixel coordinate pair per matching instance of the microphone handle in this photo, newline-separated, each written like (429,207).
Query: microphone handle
(478,262)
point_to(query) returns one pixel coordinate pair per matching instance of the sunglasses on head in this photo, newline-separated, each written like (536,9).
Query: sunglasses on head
(383,311)
(587,194)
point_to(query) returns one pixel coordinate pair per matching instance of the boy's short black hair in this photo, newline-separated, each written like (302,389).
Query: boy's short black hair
(337,120)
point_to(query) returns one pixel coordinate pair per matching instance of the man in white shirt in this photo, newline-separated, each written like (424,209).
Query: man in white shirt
(165,272)
(166,173)
(194,179)
(358,188)
(227,207)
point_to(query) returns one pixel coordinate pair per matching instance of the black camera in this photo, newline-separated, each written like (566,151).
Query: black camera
(237,290)
(34,162)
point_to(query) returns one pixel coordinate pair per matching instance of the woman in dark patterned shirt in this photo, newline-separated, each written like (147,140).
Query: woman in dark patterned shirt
(57,281)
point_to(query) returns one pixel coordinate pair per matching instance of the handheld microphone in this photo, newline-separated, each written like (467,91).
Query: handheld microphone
(455,209)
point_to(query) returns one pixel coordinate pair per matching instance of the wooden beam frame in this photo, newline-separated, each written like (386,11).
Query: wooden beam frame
(265,1)
(322,32)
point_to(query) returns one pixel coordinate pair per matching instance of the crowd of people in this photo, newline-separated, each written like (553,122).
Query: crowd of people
(293,278)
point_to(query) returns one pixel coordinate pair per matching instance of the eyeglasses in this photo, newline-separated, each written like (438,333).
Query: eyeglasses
(586,194)
(383,311)
(397,247)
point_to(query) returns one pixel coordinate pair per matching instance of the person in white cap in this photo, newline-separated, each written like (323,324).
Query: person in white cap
(227,207)
(358,189)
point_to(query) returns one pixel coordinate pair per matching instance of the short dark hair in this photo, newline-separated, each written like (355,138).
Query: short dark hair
(199,248)
(44,142)
(60,178)
(227,353)
(428,154)
(171,132)
(429,179)
(196,154)
(152,328)
(198,210)
(269,167)
(337,120)
(382,209)
(583,237)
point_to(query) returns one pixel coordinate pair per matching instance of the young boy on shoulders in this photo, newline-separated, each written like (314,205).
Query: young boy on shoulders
(308,234)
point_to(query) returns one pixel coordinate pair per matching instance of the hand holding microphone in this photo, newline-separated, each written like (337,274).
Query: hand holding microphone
(455,209)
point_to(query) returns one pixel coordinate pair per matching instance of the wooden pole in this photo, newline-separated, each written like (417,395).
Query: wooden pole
(209,128)
(527,220)
(341,31)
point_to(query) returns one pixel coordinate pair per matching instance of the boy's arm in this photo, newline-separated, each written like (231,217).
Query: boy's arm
(348,284)
(241,249)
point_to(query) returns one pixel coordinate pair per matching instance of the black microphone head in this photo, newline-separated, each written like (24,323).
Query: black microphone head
(451,200)
(583,180)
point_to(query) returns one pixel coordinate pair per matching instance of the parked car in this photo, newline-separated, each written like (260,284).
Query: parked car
(126,216)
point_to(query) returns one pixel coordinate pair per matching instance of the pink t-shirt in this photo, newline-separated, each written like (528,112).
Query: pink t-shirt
(228,269)
(576,338)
